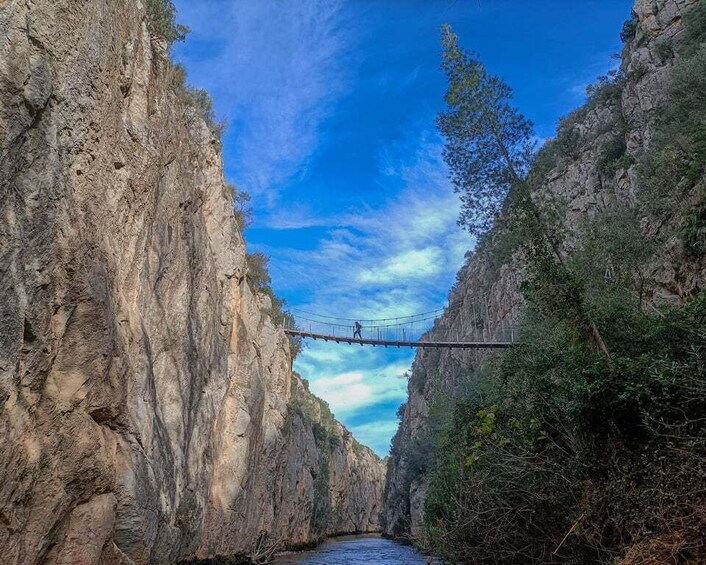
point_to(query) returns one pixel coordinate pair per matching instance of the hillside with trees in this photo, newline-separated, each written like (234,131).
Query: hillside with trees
(586,443)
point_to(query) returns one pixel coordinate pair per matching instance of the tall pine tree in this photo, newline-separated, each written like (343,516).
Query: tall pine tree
(489,152)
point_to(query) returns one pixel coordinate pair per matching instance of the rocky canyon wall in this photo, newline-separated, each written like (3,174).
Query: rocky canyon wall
(145,394)
(488,295)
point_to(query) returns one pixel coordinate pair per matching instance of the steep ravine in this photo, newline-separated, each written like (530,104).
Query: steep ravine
(581,187)
(147,405)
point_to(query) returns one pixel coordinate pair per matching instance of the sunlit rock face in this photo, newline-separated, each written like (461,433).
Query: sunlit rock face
(144,391)
(489,295)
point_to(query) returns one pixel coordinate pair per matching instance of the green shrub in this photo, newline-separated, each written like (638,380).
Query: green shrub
(695,24)
(615,251)
(188,512)
(611,156)
(676,159)
(161,21)
(630,28)
(321,510)
(511,474)
(606,91)
(358,448)
(665,51)
(417,379)
(694,232)
(197,99)
(242,209)
(257,275)
(200,100)
(259,279)
(637,72)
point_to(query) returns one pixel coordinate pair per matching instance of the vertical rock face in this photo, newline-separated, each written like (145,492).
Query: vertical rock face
(144,391)
(324,467)
(489,295)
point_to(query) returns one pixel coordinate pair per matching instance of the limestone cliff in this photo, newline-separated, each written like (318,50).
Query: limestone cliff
(144,390)
(580,184)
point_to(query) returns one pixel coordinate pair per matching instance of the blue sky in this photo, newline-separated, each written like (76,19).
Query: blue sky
(331,109)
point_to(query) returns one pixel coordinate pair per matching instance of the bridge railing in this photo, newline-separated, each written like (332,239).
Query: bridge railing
(406,329)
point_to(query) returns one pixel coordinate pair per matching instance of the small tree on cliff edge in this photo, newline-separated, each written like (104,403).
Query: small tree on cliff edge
(489,151)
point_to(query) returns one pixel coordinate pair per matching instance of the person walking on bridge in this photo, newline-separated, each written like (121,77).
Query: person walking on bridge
(358,327)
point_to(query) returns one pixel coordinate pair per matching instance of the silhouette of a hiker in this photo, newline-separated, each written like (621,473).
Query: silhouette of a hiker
(358,327)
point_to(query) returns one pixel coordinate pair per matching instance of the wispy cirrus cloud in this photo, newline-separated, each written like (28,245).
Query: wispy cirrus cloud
(411,240)
(275,70)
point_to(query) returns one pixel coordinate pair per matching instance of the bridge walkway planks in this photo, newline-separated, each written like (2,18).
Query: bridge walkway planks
(398,344)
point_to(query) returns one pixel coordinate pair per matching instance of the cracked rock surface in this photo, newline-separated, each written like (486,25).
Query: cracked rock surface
(145,394)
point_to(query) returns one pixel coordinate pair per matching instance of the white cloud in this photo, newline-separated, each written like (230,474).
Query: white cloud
(396,260)
(276,70)
(412,264)
(346,392)
(399,259)
(376,435)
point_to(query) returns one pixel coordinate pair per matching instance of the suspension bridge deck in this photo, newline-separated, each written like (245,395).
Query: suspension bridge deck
(397,343)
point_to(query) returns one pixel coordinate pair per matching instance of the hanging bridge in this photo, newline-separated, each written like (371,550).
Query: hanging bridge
(471,330)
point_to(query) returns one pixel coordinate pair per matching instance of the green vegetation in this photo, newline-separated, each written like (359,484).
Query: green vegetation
(241,207)
(316,414)
(188,512)
(321,510)
(196,99)
(260,281)
(200,100)
(629,29)
(488,143)
(560,453)
(676,159)
(489,152)
(694,232)
(613,157)
(161,20)
(538,448)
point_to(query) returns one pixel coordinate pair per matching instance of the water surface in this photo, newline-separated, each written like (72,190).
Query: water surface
(357,550)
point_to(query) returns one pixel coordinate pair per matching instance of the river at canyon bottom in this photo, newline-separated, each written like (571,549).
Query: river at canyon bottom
(357,550)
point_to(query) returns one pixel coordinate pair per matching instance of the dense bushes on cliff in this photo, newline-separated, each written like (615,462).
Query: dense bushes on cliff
(241,207)
(559,453)
(531,455)
(676,160)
